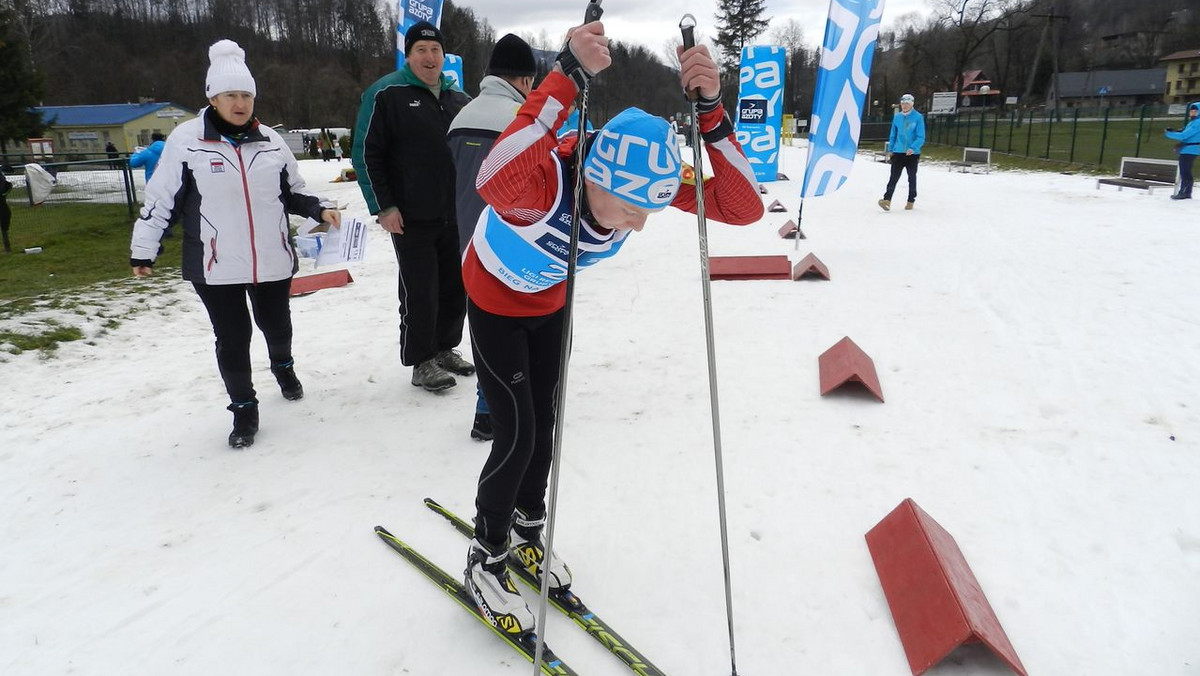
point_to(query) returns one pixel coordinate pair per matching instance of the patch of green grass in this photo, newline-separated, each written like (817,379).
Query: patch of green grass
(45,341)
(1009,162)
(81,244)
(1087,141)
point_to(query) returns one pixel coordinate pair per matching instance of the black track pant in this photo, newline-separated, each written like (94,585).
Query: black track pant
(433,303)
(5,221)
(516,360)
(226,305)
(1186,162)
(900,162)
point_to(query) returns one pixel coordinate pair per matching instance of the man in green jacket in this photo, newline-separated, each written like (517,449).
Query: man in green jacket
(406,174)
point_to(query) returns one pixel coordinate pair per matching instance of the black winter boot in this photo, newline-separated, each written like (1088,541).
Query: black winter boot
(289,384)
(481,430)
(245,424)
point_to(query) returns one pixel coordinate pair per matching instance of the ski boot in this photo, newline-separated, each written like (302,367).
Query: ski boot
(529,550)
(496,597)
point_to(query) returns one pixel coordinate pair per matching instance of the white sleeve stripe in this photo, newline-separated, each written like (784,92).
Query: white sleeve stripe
(738,160)
(506,149)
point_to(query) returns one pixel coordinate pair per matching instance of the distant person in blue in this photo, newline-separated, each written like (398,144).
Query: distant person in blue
(904,143)
(1188,147)
(147,157)
(572,124)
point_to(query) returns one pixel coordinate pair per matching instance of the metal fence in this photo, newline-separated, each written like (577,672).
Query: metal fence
(1097,137)
(83,182)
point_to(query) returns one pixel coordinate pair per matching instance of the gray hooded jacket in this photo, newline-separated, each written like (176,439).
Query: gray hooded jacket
(471,136)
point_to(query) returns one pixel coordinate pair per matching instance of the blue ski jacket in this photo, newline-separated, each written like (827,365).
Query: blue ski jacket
(908,133)
(1189,136)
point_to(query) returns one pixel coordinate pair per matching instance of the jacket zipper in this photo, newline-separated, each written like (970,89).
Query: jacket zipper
(249,216)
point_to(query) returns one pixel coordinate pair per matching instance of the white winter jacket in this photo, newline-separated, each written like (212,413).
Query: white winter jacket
(233,202)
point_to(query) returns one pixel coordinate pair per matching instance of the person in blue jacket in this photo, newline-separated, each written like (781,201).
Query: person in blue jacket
(1188,147)
(904,143)
(147,157)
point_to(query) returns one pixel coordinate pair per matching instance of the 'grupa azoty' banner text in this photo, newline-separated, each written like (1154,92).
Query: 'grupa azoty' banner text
(846,53)
(760,114)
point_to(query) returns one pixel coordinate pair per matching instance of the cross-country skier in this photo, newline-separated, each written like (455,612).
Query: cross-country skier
(516,264)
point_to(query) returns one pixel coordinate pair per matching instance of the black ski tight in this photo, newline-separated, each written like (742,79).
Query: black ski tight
(226,305)
(516,359)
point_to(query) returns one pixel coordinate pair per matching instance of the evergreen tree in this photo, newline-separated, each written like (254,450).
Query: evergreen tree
(738,23)
(20,87)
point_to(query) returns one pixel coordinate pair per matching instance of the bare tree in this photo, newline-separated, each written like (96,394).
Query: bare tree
(969,26)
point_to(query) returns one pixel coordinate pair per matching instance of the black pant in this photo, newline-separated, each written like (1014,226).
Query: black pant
(433,303)
(1186,162)
(5,221)
(900,162)
(516,359)
(226,305)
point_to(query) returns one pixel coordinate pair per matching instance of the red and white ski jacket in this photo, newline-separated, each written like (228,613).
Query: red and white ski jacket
(233,203)
(520,180)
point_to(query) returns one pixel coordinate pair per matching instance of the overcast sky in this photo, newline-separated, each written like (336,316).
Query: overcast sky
(652,23)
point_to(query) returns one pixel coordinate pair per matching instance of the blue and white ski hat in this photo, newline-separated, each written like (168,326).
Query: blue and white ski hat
(635,157)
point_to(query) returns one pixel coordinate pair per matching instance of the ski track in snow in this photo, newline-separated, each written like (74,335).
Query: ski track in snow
(1037,341)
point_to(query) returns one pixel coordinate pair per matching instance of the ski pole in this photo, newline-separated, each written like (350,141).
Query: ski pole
(687,26)
(592,13)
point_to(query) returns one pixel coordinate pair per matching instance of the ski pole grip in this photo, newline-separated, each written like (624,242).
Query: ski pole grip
(593,11)
(687,26)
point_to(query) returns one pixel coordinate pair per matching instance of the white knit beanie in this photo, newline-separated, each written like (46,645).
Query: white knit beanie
(227,71)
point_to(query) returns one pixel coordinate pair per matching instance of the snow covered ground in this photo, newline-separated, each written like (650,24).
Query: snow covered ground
(1037,340)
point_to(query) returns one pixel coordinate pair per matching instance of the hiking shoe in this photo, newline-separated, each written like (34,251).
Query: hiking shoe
(886,205)
(908,206)
(482,429)
(492,588)
(245,424)
(432,377)
(452,361)
(289,384)
(528,550)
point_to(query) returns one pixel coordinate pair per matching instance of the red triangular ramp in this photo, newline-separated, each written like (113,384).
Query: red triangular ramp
(810,266)
(749,267)
(762,189)
(846,362)
(788,230)
(937,604)
(322,280)
(776,207)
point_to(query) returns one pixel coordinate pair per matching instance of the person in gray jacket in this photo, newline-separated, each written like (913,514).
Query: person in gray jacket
(232,183)
(510,74)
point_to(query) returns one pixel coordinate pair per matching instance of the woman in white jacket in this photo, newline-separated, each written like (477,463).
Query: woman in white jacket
(232,182)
